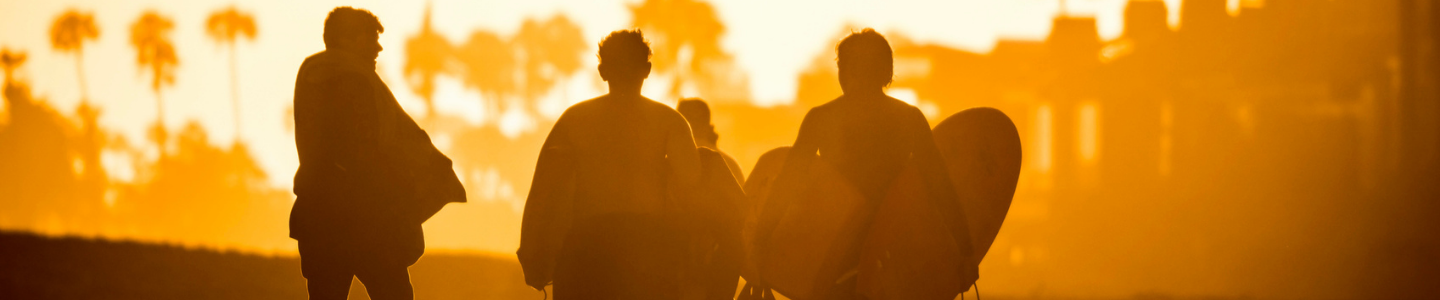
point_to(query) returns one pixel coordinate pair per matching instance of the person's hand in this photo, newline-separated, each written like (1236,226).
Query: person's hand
(755,291)
(969,273)
(538,286)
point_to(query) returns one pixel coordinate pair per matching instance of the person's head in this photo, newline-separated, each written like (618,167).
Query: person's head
(625,58)
(698,114)
(353,30)
(865,61)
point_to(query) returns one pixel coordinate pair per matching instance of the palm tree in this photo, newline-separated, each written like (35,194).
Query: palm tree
(425,57)
(150,35)
(673,26)
(225,27)
(9,60)
(488,67)
(553,49)
(68,34)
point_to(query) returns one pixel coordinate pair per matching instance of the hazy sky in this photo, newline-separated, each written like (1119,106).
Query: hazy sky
(772,41)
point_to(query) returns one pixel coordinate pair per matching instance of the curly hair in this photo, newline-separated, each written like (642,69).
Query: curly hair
(348,21)
(625,47)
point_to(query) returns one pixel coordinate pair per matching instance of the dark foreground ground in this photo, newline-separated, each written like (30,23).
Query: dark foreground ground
(35,267)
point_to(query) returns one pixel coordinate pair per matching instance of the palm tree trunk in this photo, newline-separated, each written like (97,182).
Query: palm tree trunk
(162,135)
(159,109)
(80,74)
(234,91)
(428,85)
(160,120)
(159,103)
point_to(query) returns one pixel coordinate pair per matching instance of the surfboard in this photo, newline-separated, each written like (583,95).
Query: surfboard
(714,218)
(757,188)
(909,253)
(981,147)
(903,248)
(817,238)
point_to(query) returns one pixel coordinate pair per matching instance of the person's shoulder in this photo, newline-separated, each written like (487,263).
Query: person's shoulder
(315,68)
(665,112)
(729,160)
(900,105)
(829,105)
(906,107)
(822,110)
(319,62)
(315,58)
(653,105)
(909,112)
(325,67)
(579,110)
(583,105)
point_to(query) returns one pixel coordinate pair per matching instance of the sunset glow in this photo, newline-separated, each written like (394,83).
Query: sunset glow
(1245,149)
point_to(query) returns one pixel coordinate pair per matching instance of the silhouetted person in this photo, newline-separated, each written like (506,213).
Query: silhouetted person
(868,137)
(630,156)
(368,175)
(715,255)
(698,114)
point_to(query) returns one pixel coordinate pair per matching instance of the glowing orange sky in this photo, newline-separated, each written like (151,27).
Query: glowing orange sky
(772,42)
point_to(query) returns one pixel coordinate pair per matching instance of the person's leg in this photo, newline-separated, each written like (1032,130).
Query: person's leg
(327,277)
(649,251)
(586,267)
(330,287)
(387,282)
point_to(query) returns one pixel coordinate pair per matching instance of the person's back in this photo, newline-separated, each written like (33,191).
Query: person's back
(716,251)
(697,113)
(868,137)
(627,154)
(619,144)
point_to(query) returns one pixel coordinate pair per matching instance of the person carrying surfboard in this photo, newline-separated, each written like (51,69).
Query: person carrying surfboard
(868,138)
(600,221)
(697,112)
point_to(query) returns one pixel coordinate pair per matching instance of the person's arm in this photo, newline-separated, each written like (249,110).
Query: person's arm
(937,182)
(681,154)
(554,162)
(430,174)
(734,168)
(792,178)
(436,185)
(547,215)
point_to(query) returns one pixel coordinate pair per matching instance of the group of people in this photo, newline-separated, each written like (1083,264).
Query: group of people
(639,185)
